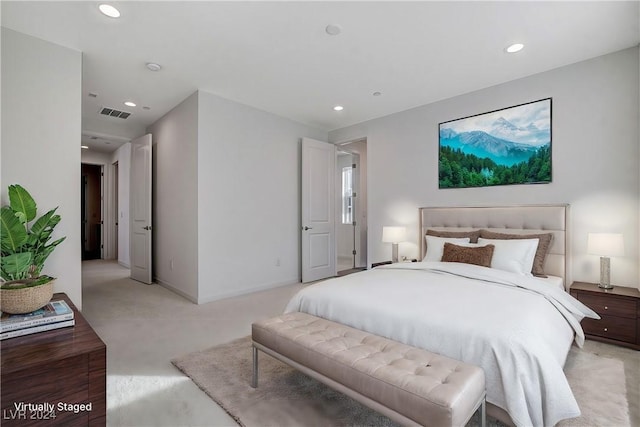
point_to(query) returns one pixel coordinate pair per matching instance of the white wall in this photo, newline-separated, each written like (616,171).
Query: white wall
(41,132)
(594,153)
(123,156)
(113,127)
(175,198)
(95,157)
(249,198)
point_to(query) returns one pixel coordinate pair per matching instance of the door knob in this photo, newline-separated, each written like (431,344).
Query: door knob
(148,227)
(307,228)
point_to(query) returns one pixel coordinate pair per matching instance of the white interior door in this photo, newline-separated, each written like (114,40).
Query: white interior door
(140,209)
(318,210)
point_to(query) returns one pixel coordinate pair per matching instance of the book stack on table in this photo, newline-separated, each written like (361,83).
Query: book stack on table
(54,315)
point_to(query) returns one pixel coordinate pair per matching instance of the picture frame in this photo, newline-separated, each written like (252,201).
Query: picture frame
(501,147)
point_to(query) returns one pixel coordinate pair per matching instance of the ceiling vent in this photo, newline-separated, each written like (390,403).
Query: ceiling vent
(106,111)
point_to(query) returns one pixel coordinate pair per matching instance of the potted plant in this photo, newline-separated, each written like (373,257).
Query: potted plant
(25,248)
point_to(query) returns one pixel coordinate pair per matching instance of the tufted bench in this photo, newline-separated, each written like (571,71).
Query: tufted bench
(409,385)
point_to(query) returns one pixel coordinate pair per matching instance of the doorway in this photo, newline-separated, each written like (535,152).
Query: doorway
(91,205)
(351,207)
(115,209)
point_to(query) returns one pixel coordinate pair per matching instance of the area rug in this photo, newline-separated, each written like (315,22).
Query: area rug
(285,397)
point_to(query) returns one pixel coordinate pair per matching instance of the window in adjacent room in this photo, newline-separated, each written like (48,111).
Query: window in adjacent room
(347,195)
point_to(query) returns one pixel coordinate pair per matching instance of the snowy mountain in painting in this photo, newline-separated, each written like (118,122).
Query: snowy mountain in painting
(530,134)
(481,144)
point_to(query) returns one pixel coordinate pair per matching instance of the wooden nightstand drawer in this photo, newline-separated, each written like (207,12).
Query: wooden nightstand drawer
(615,328)
(609,305)
(619,309)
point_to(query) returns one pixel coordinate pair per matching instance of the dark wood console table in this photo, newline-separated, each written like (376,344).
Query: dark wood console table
(66,368)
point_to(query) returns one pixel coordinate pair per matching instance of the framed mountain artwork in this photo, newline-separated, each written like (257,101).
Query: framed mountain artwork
(502,147)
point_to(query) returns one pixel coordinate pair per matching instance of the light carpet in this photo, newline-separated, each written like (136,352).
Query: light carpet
(285,397)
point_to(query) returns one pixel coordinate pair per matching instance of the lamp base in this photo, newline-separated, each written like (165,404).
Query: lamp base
(394,252)
(605,273)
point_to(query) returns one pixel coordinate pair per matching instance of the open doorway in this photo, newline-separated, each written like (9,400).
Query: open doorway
(91,205)
(351,212)
(115,209)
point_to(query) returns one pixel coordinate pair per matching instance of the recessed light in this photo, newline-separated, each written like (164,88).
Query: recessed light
(130,104)
(84,147)
(338,108)
(93,95)
(109,10)
(333,30)
(377,93)
(152,66)
(516,47)
(146,108)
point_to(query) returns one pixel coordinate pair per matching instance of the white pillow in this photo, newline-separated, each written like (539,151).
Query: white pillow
(435,246)
(513,255)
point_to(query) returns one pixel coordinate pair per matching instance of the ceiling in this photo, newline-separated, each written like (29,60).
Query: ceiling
(277,56)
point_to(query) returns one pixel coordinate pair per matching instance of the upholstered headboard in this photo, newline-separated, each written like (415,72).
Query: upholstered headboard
(529,219)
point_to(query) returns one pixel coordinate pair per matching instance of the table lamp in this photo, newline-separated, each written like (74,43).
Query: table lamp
(394,235)
(606,245)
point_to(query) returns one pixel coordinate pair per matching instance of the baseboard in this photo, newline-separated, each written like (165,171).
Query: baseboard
(124,264)
(258,288)
(176,290)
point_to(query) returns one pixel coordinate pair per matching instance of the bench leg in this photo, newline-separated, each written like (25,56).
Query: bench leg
(254,378)
(483,413)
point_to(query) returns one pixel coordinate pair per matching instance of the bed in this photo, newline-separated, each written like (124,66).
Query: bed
(518,328)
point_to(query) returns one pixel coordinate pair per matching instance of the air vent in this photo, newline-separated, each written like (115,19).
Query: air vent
(106,111)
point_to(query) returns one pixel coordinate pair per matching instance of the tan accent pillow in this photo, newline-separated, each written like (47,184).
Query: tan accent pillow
(472,235)
(541,252)
(480,255)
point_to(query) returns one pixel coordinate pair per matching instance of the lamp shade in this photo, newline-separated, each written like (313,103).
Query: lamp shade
(394,234)
(605,244)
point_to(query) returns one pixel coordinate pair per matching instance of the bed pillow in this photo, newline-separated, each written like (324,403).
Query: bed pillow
(541,253)
(515,255)
(435,246)
(472,234)
(477,255)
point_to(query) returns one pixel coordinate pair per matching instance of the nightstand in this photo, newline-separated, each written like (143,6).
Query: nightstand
(619,309)
(67,365)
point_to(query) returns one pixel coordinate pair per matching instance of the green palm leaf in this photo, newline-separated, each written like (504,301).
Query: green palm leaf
(13,233)
(16,266)
(41,229)
(42,254)
(45,221)
(22,202)
(24,248)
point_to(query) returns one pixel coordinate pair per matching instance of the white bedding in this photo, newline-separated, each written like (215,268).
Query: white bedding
(518,329)
(554,280)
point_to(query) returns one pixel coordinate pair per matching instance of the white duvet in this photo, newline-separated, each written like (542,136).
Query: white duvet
(518,329)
